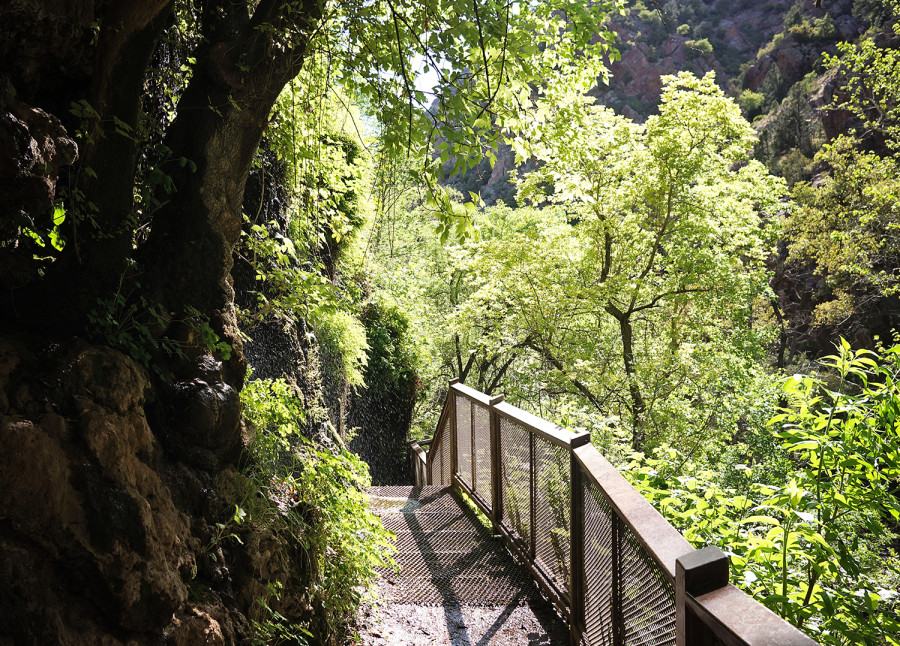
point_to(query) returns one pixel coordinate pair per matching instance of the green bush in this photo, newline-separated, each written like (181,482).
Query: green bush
(815,547)
(314,496)
(751,103)
(701,47)
(811,30)
(343,338)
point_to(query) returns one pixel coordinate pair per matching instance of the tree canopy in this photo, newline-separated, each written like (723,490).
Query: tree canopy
(644,272)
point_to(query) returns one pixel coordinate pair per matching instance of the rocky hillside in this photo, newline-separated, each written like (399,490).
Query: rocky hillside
(759,51)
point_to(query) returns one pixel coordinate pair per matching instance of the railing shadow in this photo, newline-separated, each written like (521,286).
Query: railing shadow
(451,575)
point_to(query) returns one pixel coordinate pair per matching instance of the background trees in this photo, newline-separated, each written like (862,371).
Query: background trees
(643,275)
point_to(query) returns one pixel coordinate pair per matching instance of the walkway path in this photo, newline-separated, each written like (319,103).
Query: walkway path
(457,584)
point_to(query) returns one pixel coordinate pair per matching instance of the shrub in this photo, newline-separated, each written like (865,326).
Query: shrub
(701,47)
(816,546)
(751,103)
(314,496)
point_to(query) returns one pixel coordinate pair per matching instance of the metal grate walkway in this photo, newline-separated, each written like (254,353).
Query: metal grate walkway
(454,572)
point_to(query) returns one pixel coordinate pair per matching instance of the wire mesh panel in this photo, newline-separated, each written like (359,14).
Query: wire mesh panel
(515,475)
(481,428)
(647,597)
(439,456)
(552,507)
(598,566)
(464,438)
(444,454)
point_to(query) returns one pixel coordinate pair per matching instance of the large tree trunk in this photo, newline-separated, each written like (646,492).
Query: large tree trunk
(221,119)
(638,405)
(102,229)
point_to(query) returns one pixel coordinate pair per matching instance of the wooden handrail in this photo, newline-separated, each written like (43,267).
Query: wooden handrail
(471,393)
(707,609)
(663,543)
(541,427)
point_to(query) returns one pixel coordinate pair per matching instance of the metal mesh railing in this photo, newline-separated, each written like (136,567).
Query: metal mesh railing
(481,454)
(647,599)
(625,591)
(440,460)
(515,480)
(598,549)
(463,409)
(552,506)
(598,566)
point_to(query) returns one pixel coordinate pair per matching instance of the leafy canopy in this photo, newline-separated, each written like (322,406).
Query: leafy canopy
(636,282)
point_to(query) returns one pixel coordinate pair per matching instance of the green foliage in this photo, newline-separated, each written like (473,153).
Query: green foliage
(815,546)
(316,496)
(791,125)
(699,47)
(813,30)
(273,628)
(794,167)
(133,326)
(325,172)
(871,80)
(751,103)
(487,58)
(637,284)
(317,134)
(877,12)
(849,226)
(393,355)
(290,291)
(343,338)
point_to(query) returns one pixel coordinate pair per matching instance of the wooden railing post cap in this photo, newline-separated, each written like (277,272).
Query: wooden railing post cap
(581,439)
(455,380)
(702,570)
(496,400)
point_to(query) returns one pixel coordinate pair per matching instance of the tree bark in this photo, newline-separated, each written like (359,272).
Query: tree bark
(99,224)
(220,120)
(102,230)
(638,405)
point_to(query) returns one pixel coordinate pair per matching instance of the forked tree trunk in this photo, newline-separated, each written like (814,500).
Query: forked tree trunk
(220,120)
(638,405)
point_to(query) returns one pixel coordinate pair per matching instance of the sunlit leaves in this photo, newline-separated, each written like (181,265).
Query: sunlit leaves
(871,83)
(658,226)
(487,57)
(849,225)
(816,547)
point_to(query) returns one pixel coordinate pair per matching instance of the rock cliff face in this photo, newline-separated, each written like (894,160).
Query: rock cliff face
(749,44)
(107,528)
(655,43)
(91,533)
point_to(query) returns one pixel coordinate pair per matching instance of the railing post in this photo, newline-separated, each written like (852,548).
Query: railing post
(532,496)
(473,458)
(618,628)
(496,483)
(696,573)
(576,540)
(454,458)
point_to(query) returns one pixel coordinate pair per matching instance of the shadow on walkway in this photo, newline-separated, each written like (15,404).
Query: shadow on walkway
(458,584)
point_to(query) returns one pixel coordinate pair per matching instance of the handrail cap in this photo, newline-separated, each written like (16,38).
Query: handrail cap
(702,570)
